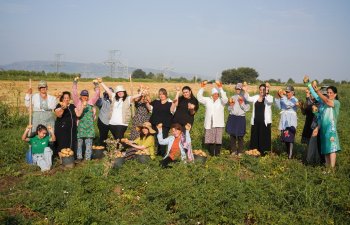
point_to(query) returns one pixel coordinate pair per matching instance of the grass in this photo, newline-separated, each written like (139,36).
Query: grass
(226,190)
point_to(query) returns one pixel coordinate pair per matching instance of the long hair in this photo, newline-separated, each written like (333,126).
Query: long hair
(65,93)
(191,97)
(144,136)
(334,89)
(123,98)
(163,91)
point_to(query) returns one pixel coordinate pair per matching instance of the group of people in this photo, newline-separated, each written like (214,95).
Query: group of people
(72,123)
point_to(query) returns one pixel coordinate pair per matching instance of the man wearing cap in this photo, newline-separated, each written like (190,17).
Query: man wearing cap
(288,104)
(214,117)
(43,105)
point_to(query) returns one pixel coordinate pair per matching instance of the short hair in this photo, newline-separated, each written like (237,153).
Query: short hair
(63,94)
(177,126)
(163,91)
(40,127)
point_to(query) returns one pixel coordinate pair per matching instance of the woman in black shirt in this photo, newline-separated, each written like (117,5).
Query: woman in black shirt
(66,124)
(161,113)
(185,107)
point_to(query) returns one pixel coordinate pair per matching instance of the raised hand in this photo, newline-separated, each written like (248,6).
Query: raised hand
(76,79)
(159,126)
(218,84)
(231,101)
(306,79)
(188,126)
(49,128)
(203,83)
(99,80)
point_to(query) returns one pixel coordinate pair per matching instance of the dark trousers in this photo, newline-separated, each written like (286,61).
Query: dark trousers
(233,140)
(162,148)
(118,131)
(103,129)
(165,162)
(214,149)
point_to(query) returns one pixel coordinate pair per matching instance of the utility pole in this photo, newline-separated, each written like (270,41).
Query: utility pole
(112,61)
(58,62)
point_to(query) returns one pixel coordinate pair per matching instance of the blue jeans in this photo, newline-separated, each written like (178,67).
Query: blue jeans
(88,149)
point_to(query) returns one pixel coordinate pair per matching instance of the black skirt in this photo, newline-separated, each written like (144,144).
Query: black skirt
(236,125)
(261,137)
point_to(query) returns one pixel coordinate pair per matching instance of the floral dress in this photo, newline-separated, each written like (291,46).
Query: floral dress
(141,115)
(328,130)
(86,123)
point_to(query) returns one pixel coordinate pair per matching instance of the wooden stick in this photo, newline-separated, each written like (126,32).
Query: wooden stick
(30,107)
(132,94)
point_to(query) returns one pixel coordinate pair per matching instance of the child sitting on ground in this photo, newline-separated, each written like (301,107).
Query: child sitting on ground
(179,144)
(144,143)
(41,152)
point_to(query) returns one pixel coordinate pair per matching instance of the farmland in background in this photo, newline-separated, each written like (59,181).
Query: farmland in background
(226,190)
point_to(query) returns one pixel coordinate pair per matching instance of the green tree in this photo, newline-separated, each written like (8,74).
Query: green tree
(150,75)
(239,75)
(290,81)
(328,81)
(159,77)
(138,73)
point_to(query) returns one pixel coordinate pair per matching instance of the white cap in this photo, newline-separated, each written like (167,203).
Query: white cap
(214,91)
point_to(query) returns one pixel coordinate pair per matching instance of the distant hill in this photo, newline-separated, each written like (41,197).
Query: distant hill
(85,69)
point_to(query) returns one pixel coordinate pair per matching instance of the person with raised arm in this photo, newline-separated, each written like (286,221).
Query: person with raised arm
(260,135)
(214,116)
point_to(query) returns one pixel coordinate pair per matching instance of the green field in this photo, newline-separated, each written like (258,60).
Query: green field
(226,190)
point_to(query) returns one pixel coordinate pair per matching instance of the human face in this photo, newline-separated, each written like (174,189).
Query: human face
(145,131)
(120,94)
(215,96)
(331,95)
(186,93)
(176,132)
(84,98)
(43,90)
(238,91)
(289,94)
(262,91)
(66,98)
(162,96)
(42,133)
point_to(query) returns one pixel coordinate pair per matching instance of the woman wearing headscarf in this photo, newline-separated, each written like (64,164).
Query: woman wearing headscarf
(288,104)
(260,135)
(43,105)
(214,117)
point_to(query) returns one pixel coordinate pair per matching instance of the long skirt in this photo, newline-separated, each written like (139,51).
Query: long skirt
(213,135)
(236,125)
(260,137)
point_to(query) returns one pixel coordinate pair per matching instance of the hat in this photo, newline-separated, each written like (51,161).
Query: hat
(214,91)
(119,88)
(148,126)
(42,84)
(84,93)
(289,88)
(238,86)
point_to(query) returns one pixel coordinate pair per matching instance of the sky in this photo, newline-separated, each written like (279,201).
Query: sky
(278,38)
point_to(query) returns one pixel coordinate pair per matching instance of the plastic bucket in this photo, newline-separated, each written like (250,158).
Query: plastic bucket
(68,161)
(118,162)
(97,154)
(143,158)
(200,159)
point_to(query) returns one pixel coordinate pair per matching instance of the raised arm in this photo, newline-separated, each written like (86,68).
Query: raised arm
(96,96)
(75,95)
(25,134)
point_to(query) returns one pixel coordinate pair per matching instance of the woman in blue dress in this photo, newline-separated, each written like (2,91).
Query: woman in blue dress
(327,125)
